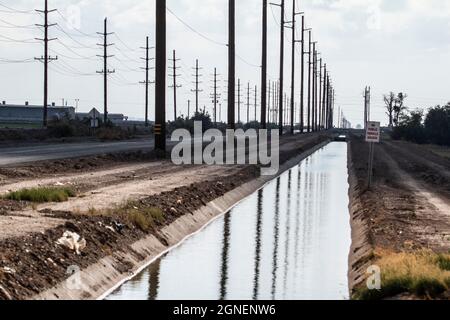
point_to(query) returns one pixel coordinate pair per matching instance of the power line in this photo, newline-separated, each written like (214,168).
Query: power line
(195,31)
(12,10)
(93,35)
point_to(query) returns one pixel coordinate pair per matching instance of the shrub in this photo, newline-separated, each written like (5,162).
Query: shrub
(41,195)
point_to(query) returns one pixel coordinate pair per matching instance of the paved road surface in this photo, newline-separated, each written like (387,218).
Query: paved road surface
(11,156)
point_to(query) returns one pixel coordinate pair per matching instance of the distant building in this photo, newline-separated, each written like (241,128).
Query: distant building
(115,118)
(12,113)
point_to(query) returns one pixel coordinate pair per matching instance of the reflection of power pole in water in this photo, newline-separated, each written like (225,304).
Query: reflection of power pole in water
(297,223)
(153,280)
(225,253)
(259,221)
(276,240)
(288,233)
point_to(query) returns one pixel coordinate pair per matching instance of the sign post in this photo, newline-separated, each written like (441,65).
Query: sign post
(373,135)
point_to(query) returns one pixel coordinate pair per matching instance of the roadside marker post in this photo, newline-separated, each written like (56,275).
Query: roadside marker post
(373,135)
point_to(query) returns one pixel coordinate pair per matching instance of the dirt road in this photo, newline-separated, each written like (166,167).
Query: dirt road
(408,208)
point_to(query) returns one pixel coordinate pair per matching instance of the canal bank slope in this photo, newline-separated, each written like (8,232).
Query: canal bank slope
(402,224)
(34,266)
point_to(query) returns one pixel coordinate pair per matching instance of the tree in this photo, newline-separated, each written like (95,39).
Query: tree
(437,125)
(410,127)
(389,100)
(399,107)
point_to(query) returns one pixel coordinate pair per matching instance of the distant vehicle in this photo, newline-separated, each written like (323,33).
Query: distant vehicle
(341,138)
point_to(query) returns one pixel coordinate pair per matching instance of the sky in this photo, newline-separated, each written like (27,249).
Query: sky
(400,46)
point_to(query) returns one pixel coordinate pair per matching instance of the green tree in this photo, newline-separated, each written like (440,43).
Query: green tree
(410,127)
(437,125)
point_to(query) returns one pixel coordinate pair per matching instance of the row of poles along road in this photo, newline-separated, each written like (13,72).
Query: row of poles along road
(314,116)
(320,93)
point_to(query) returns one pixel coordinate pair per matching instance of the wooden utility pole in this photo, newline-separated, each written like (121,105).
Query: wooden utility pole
(196,82)
(46,58)
(189,109)
(293,67)
(319,105)
(231,64)
(248,102)
(174,85)
(268,105)
(366,106)
(309,81)
(215,96)
(313,83)
(256,103)
(324,97)
(239,101)
(281,80)
(282,22)
(160,79)
(105,70)
(146,82)
(302,85)
(264,68)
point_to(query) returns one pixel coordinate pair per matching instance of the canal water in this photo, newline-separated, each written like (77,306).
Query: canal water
(290,240)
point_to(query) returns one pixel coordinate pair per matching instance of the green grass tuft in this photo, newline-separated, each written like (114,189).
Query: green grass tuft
(443,262)
(144,218)
(42,195)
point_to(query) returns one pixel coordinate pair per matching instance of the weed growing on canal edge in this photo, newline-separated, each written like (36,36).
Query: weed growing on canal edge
(42,195)
(423,274)
(144,218)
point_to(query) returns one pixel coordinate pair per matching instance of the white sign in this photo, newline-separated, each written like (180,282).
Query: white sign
(94,123)
(373,132)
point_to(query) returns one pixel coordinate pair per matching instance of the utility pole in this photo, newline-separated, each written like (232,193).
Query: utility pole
(189,109)
(366,107)
(264,69)
(160,79)
(309,82)
(215,95)
(248,102)
(146,82)
(314,78)
(294,41)
(239,101)
(256,103)
(268,105)
(319,105)
(231,63)
(302,85)
(324,97)
(46,58)
(174,85)
(105,70)
(196,90)
(281,84)
(281,66)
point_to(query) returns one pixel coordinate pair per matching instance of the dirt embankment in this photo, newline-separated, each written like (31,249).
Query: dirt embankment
(32,262)
(406,211)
